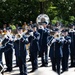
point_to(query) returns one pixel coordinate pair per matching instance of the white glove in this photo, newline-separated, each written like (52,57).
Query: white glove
(31,33)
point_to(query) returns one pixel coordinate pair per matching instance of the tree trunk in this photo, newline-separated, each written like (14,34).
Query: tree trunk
(41,7)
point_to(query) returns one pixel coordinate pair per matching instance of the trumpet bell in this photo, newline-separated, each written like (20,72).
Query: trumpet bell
(0,44)
(57,35)
(18,36)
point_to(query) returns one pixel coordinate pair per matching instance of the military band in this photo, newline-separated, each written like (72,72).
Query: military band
(61,43)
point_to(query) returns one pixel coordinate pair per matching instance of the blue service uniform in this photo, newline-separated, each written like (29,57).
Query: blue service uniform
(40,40)
(66,52)
(72,35)
(56,54)
(8,53)
(21,54)
(34,49)
(16,53)
(5,48)
(43,45)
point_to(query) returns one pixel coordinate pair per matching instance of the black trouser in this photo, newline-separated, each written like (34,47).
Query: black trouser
(65,63)
(8,59)
(1,59)
(1,67)
(0,56)
(72,58)
(22,65)
(56,64)
(17,63)
(72,61)
(44,56)
(34,61)
(39,51)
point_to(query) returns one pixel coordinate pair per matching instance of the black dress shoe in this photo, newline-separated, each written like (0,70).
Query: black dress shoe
(7,70)
(32,71)
(46,65)
(42,66)
(71,66)
(16,66)
(29,60)
(10,70)
(62,72)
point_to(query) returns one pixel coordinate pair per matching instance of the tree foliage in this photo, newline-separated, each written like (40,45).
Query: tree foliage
(25,10)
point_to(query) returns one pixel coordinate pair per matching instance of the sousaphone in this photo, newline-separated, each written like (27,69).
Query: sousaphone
(42,18)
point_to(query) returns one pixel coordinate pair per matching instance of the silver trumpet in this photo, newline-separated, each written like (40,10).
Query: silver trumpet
(19,37)
(6,39)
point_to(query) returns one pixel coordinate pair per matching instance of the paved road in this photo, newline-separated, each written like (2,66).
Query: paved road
(16,69)
(29,67)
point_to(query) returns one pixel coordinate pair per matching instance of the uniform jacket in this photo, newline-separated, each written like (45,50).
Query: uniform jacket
(56,49)
(66,46)
(43,38)
(72,35)
(34,43)
(20,48)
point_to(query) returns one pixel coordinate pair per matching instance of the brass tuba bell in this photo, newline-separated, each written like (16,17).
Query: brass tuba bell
(42,18)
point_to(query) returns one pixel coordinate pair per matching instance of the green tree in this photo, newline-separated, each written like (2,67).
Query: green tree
(14,11)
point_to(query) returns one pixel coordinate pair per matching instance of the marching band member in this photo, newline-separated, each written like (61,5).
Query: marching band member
(55,52)
(66,50)
(6,46)
(19,45)
(40,30)
(28,31)
(4,49)
(34,48)
(43,41)
(72,35)
(8,54)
